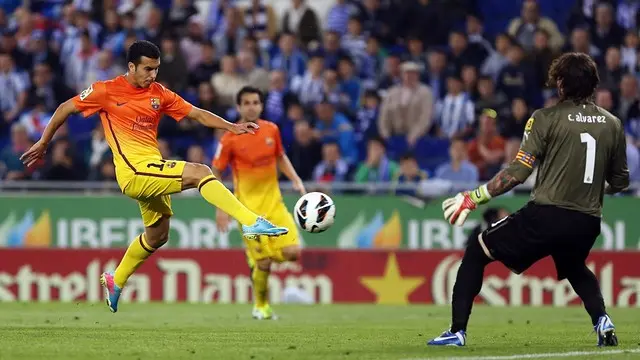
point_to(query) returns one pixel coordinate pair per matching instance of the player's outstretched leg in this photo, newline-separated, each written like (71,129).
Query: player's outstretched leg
(585,284)
(137,253)
(467,286)
(212,190)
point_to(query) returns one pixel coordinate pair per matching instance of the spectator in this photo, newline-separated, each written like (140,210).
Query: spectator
(487,150)
(604,99)
(409,173)
(228,82)
(489,99)
(498,58)
(354,42)
(295,114)
(338,16)
(333,167)
(174,66)
(41,54)
(407,109)
(180,12)
(349,84)
(191,43)
(102,68)
(581,42)
(377,167)
(541,57)
(141,10)
(514,126)
(80,62)
(524,27)
(371,66)
(230,37)
(154,27)
(111,36)
(305,151)
(208,99)
(302,21)
(392,73)
(10,156)
(458,169)
(334,93)
(207,67)
(99,153)
(475,34)
(278,98)
(331,50)
(62,165)
(261,54)
(437,73)
(629,52)
(416,53)
(461,53)
(13,90)
(612,71)
(455,113)
(310,87)
(628,98)
(606,33)
(36,119)
(366,118)
(377,20)
(516,79)
(627,14)
(260,20)
(257,77)
(469,76)
(334,127)
(289,59)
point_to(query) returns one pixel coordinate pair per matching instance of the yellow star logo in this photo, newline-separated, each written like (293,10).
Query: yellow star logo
(392,288)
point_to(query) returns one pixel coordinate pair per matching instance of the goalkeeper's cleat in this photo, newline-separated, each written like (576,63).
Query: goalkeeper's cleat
(111,290)
(264,313)
(606,332)
(448,338)
(262,227)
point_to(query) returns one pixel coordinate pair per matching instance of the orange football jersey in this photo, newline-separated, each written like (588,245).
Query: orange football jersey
(130,116)
(253,161)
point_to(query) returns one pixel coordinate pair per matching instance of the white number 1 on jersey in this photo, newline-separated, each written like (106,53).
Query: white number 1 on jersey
(591,157)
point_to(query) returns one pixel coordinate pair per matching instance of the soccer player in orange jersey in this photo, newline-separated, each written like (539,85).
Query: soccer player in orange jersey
(130,107)
(255,162)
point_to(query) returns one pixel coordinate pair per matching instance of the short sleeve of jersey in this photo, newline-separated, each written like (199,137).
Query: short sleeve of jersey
(534,140)
(174,105)
(91,100)
(222,157)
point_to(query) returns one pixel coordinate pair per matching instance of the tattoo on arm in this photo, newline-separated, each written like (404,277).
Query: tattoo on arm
(502,183)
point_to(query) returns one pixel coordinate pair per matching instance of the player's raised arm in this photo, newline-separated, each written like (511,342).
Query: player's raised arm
(212,120)
(618,172)
(38,149)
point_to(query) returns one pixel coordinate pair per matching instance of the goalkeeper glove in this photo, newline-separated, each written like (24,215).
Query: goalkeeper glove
(457,208)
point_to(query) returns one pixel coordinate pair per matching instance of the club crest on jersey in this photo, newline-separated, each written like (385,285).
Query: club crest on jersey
(529,125)
(155,103)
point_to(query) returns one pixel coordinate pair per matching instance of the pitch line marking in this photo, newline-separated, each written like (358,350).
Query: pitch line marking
(535,356)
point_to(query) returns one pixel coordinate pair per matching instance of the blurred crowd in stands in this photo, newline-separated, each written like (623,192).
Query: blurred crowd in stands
(376,90)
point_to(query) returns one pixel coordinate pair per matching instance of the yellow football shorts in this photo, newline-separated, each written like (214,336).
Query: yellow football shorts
(267,246)
(151,184)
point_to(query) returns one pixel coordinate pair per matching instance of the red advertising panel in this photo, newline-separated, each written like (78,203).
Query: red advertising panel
(329,276)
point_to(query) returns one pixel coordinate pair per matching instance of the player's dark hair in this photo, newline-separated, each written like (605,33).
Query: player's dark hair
(141,48)
(578,77)
(247,90)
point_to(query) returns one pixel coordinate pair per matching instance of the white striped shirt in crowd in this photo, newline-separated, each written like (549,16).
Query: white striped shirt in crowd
(338,18)
(455,112)
(309,90)
(356,46)
(256,21)
(11,85)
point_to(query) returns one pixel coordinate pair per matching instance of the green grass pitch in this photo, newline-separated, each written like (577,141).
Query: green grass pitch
(194,331)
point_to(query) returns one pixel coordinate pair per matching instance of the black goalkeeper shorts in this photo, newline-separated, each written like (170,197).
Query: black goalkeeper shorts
(537,231)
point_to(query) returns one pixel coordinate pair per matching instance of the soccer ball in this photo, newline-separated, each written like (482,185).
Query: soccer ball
(315,212)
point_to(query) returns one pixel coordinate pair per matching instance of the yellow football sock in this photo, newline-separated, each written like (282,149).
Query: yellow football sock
(136,254)
(277,256)
(218,195)
(260,287)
